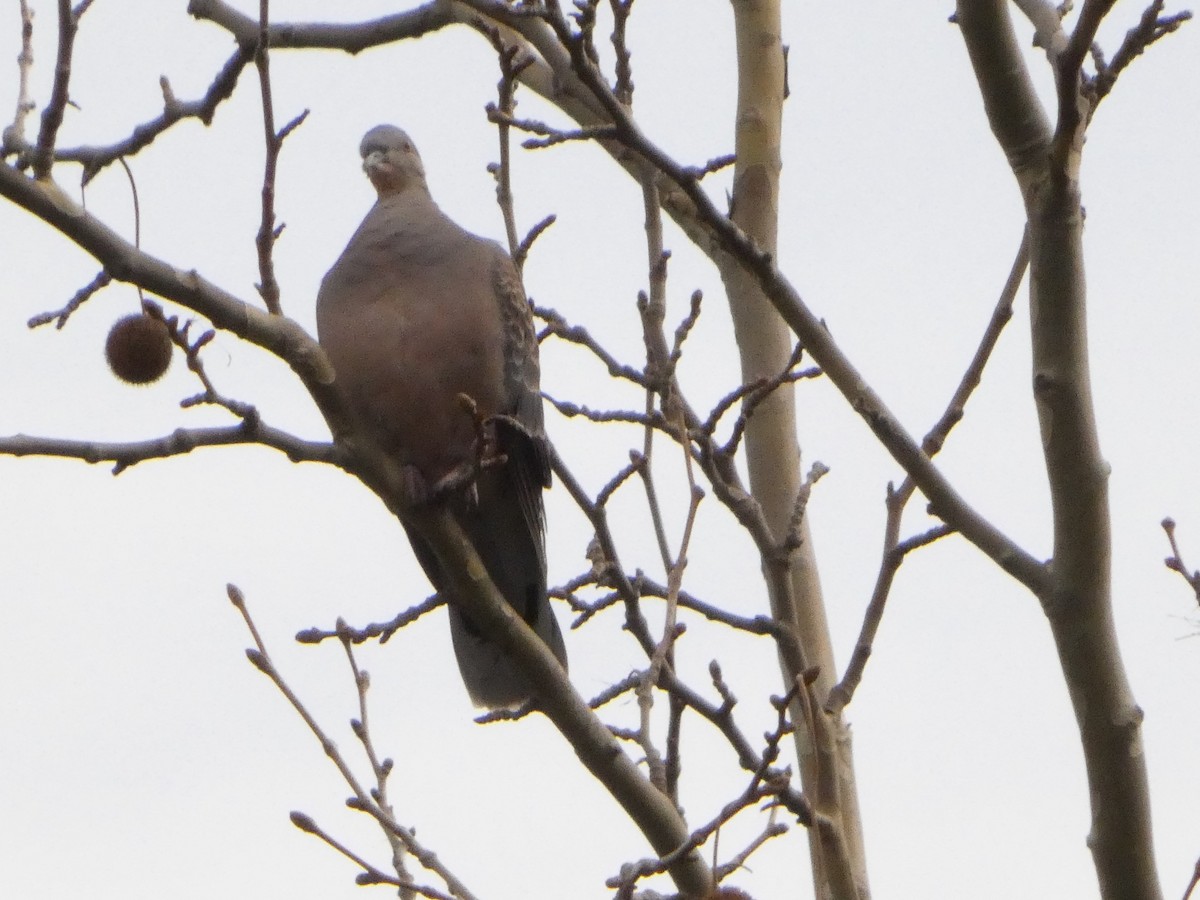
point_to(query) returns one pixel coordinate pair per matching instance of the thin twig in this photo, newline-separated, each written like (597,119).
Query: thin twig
(511,63)
(648,867)
(843,692)
(571,410)
(60,316)
(370,874)
(95,159)
(381,630)
(125,454)
(1175,562)
(684,329)
(526,244)
(897,500)
(652,307)
(14,134)
(716,164)
(623,88)
(576,334)
(382,768)
(791,539)
(1152,26)
(52,115)
(181,336)
(268,232)
(719,716)
(647,587)
(362,799)
(1195,880)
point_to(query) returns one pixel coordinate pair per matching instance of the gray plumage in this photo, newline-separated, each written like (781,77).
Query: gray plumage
(414,312)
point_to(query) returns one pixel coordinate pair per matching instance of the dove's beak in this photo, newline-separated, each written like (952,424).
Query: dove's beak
(372,161)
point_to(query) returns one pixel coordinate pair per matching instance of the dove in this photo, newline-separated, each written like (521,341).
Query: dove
(414,313)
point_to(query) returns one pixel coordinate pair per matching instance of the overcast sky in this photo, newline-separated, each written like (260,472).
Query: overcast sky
(141,756)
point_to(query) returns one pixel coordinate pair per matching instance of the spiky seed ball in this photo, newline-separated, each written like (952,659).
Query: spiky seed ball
(138,349)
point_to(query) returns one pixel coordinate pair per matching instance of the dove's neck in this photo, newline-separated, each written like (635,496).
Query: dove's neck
(412,207)
(413,191)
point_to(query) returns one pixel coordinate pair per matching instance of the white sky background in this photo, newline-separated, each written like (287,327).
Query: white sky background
(141,756)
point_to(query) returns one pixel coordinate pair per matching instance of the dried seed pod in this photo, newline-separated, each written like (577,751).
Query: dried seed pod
(138,349)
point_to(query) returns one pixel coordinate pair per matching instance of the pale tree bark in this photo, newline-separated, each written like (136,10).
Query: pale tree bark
(1078,599)
(774,460)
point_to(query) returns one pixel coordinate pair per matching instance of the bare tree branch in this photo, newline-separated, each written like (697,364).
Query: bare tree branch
(350,37)
(944,499)
(1077,599)
(381,630)
(363,800)
(1152,27)
(380,767)
(268,233)
(897,500)
(52,115)
(125,454)
(60,316)
(582,92)
(595,746)
(559,60)
(370,874)
(94,159)
(576,334)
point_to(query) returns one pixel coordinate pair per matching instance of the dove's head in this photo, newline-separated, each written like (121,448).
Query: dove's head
(391,161)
